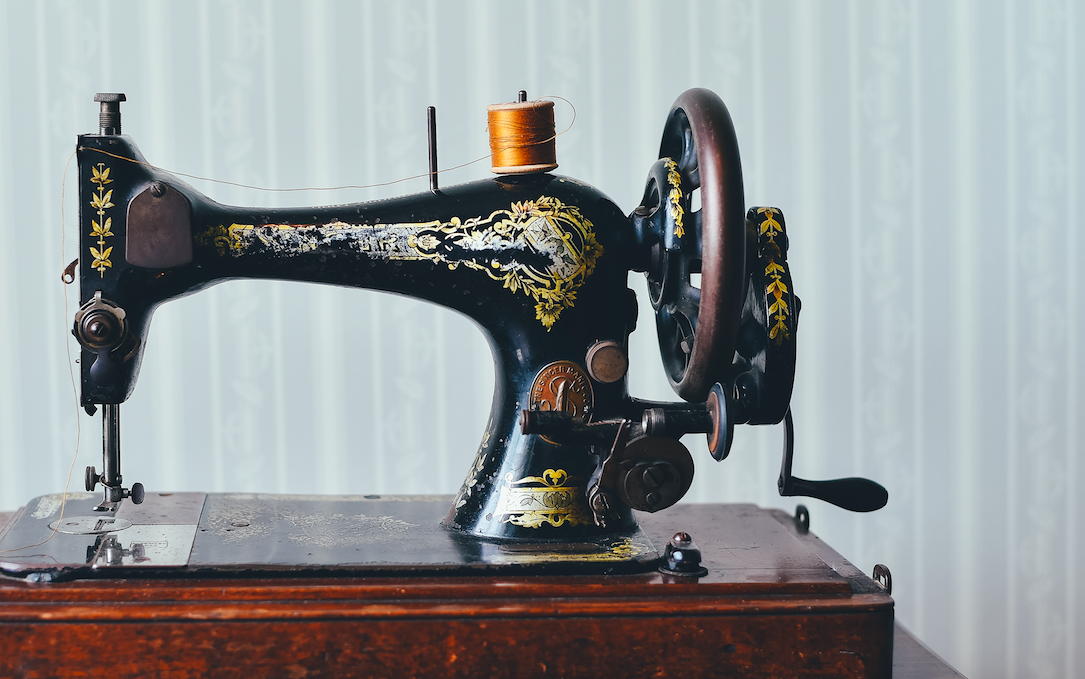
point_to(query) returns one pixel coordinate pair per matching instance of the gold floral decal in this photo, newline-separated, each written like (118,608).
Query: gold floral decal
(476,468)
(675,195)
(221,238)
(101,227)
(535,500)
(544,226)
(545,229)
(621,549)
(770,228)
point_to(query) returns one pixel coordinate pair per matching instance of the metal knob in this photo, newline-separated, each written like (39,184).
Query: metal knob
(100,324)
(682,557)
(109,116)
(91,478)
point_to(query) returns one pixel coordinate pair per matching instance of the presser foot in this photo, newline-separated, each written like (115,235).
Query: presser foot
(113,494)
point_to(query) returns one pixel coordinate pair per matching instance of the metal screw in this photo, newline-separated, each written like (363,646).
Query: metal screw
(158,189)
(652,477)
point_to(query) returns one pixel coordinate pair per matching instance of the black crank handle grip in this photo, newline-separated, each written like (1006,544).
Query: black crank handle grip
(854,494)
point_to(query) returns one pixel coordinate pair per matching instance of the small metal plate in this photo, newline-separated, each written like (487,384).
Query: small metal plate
(563,385)
(144,546)
(158,533)
(89,525)
(159,233)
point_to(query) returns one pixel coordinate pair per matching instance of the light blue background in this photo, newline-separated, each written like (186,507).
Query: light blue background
(927,156)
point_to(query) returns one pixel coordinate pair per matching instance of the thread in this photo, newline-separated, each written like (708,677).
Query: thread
(274,190)
(522,137)
(546,166)
(71,375)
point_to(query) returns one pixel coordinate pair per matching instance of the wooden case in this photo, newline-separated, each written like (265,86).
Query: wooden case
(776,602)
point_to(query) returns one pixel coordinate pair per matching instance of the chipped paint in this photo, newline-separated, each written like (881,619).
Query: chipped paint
(50,504)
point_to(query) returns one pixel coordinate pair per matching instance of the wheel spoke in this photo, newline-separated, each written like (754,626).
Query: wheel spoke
(688,304)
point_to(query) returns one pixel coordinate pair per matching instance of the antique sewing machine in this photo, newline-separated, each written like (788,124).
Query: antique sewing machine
(540,262)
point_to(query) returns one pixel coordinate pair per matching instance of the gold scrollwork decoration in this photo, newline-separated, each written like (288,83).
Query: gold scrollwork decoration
(560,240)
(621,549)
(674,196)
(101,227)
(220,237)
(534,500)
(545,226)
(776,289)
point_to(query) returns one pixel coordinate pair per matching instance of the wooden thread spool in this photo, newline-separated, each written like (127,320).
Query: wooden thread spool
(522,137)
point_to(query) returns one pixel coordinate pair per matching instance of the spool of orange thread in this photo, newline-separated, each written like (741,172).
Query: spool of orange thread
(522,137)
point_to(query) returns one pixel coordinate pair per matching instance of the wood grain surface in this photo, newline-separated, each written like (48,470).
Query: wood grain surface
(762,620)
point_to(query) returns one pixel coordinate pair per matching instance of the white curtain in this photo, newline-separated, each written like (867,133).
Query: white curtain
(927,156)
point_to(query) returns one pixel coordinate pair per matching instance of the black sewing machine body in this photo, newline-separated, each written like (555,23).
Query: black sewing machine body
(376,585)
(540,263)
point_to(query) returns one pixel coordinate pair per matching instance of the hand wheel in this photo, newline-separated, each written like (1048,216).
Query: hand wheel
(696,326)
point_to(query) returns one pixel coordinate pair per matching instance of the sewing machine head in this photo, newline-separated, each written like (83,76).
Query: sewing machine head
(540,263)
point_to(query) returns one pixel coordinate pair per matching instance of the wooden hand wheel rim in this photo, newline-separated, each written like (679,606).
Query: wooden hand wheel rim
(700,137)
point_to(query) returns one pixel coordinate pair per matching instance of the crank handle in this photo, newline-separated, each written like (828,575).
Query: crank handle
(853,494)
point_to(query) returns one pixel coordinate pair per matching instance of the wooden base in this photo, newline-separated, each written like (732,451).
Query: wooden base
(775,603)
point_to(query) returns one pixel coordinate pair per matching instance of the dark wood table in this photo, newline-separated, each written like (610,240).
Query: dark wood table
(776,602)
